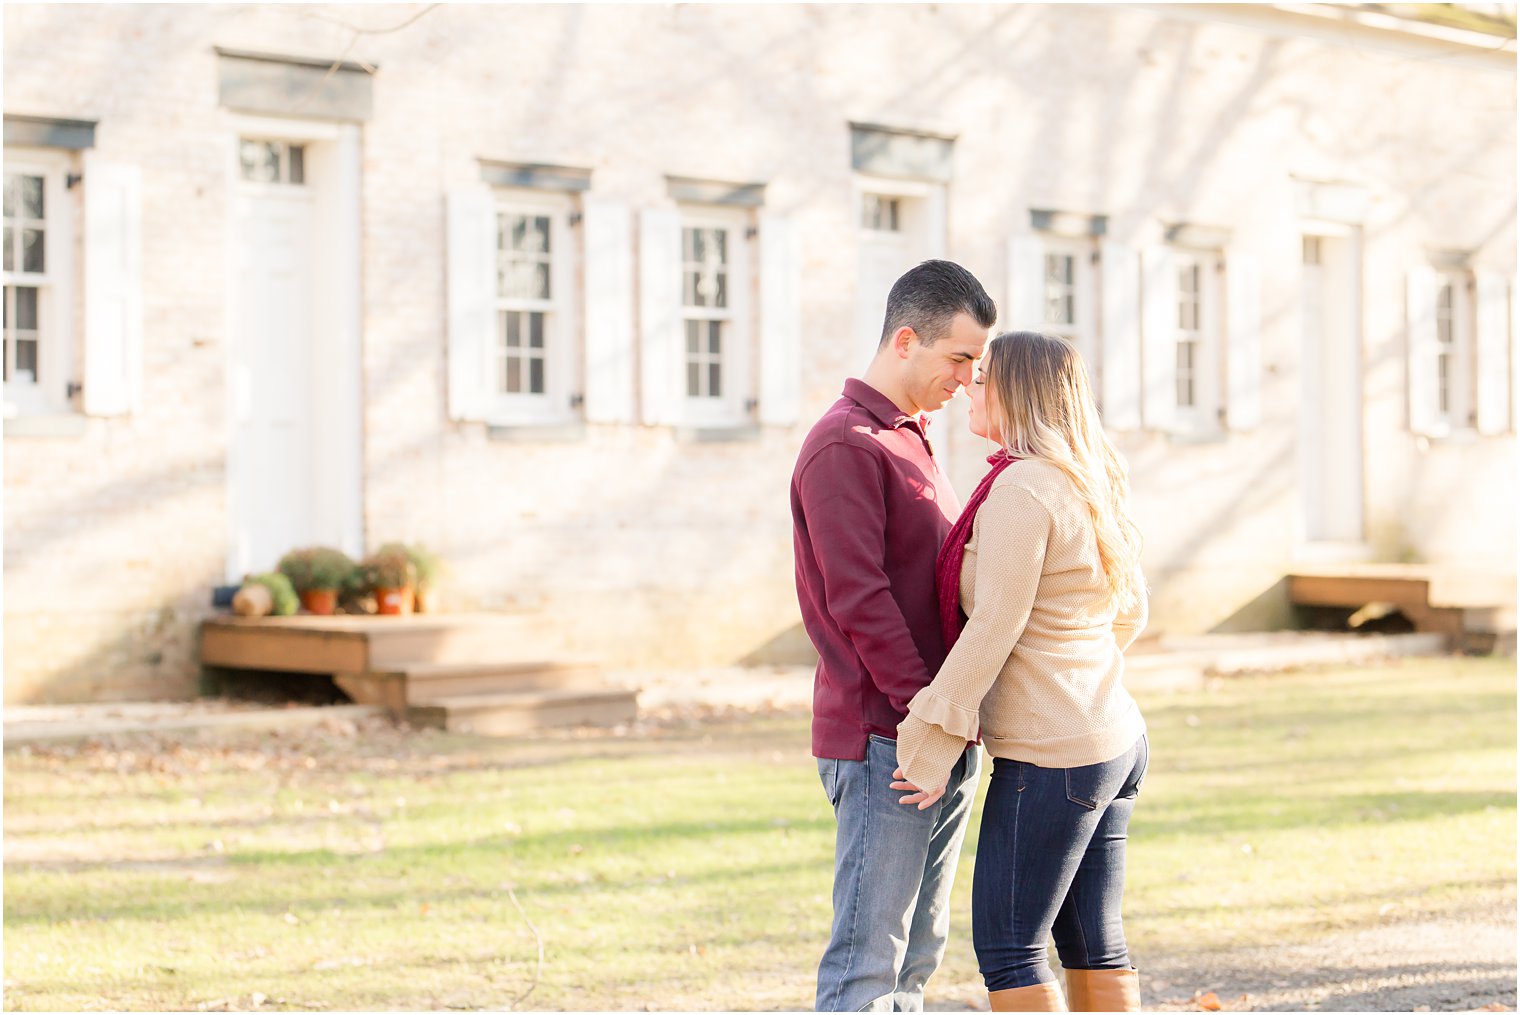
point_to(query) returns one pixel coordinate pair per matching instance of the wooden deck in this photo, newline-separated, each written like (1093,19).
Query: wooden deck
(1468,607)
(461,671)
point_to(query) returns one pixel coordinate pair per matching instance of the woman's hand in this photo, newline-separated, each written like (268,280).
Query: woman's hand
(923,797)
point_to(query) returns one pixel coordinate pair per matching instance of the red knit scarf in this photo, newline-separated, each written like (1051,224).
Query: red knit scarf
(947,570)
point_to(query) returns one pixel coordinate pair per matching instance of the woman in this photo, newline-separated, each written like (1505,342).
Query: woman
(1045,563)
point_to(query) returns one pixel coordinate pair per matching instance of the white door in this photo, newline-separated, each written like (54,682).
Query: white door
(1331,426)
(272,372)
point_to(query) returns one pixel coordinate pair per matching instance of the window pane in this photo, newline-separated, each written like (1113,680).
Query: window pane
(540,236)
(705,286)
(514,339)
(893,206)
(1444,385)
(536,376)
(689,282)
(1311,250)
(26,308)
(536,330)
(541,283)
(518,226)
(693,337)
(12,184)
(699,245)
(715,338)
(514,375)
(26,360)
(720,297)
(714,381)
(1443,297)
(31,250)
(693,380)
(268,170)
(297,163)
(31,197)
(10,249)
(1069,308)
(720,242)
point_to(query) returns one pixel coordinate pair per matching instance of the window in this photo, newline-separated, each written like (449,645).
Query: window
(280,162)
(532,359)
(715,285)
(1451,329)
(37,273)
(1197,337)
(881,213)
(1067,297)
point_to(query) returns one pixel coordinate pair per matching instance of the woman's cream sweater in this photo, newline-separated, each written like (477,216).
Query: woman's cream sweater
(1039,668)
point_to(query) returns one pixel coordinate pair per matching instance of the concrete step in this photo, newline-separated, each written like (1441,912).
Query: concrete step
(1182,663)
(510,713)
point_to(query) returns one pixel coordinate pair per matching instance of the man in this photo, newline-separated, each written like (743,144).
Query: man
(870,508)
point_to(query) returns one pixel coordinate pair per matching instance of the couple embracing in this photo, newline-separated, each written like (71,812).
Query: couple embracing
(939,629)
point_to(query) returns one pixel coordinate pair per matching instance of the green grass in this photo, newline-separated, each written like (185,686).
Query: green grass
(690,868)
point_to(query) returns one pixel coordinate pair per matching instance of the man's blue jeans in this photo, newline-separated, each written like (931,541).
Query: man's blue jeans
(1050,862)
(893,869)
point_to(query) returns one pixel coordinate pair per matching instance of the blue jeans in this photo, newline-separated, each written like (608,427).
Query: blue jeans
(1050,863)
(893,868)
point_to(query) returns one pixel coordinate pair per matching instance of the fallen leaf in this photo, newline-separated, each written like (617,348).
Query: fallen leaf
(1208,1002)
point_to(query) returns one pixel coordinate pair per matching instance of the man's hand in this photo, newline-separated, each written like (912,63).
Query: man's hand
(923,797)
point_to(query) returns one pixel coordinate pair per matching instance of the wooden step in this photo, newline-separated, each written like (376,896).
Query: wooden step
(359,644)
(396,689)
(508,713)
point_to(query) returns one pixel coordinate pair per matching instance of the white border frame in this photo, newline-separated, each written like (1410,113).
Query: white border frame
(56,307)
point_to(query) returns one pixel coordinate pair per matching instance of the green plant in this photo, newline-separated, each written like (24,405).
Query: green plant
(389,568)
(286,602)
(317,567)
(428,564)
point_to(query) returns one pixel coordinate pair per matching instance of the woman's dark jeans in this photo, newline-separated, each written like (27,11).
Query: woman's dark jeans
(1051,863)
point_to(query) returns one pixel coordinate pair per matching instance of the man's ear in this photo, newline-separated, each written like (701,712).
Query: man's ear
(903,339)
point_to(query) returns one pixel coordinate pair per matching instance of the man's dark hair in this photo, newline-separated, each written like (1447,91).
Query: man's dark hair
(927,298)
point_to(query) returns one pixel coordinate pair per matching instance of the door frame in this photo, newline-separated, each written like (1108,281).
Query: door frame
(334,174)
(1348,238)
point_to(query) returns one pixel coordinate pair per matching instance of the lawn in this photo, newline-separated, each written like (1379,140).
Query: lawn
(688,867)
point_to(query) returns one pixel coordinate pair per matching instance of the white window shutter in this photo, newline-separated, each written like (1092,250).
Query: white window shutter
(1493,353)
(780,321)
(113,294)
(1243,328)
(1121,337)
(1422,366)
(1159,324)
(472,297)
(609,311)
(660,326)
(1026,284)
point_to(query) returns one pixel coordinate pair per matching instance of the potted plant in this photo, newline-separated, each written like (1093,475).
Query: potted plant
(429,567)
(265,594)
(317,573)
(393,577)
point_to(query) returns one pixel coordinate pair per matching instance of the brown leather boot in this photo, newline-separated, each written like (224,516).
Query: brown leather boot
(1040,997)
(1103,989)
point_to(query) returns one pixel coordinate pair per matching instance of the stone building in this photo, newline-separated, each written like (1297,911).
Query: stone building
(557,290)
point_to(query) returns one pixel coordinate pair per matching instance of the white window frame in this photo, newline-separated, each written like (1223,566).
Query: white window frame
(55,285)
(1202,417)
(556,405)
(1082,330)
(735,403)
(1458,354)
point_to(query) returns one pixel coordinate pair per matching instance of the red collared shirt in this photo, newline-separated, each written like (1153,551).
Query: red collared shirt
(870,508)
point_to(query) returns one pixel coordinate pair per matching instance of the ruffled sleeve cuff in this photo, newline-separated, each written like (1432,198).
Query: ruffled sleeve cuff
(927,754)
(954,719)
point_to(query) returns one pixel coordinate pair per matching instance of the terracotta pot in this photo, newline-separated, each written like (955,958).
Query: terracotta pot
(429,600)
(394,602)
(322,602)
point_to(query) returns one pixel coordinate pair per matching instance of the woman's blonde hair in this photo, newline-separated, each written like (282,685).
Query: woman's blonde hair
(1040,402)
